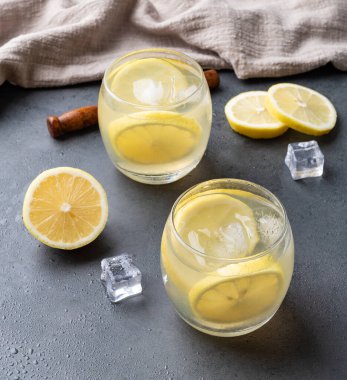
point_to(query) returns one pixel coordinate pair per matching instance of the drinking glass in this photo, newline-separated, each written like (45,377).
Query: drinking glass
(227,256)
(155,115)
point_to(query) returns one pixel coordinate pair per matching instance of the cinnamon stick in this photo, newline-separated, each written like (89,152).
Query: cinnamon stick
(73,120)
(212,78)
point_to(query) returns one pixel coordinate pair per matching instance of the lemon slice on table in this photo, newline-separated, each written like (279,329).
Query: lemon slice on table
(65,208)
(247,115)
(154,137)
(150,81)
(301,108)
(252,289)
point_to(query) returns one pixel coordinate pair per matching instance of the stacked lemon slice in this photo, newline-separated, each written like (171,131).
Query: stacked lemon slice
(261,114)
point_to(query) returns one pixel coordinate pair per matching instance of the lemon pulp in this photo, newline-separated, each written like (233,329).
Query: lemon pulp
(65,208)
(301,108)
(230,297)
(247,115)
(153,81)
(153,138)
(218,225)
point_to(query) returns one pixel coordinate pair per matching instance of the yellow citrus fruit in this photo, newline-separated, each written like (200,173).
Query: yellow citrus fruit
(301,108)
(218,225)
(154,137)
(247,115)
(150,81)
(65,208)
(237,292)
(202,222)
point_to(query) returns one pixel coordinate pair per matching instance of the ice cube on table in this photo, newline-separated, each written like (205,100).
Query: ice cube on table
(121,278)
(305,159)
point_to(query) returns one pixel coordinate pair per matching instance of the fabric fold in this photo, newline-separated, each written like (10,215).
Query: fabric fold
(51,43)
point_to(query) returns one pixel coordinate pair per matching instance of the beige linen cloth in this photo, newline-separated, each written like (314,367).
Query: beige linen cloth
(59,42)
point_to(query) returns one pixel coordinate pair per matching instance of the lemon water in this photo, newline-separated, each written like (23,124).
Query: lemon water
(155,118)
(215,269)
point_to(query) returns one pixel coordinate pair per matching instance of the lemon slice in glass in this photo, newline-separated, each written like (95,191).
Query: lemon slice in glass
(150,81)
(217,225)
(154,137)
(65,208)
(237,292)
(301,108)
(247,115)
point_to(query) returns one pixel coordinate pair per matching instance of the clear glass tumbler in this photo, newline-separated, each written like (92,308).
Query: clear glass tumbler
(155,115)
(227,256)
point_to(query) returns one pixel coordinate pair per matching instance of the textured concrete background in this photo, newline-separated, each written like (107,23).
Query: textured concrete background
(55,322)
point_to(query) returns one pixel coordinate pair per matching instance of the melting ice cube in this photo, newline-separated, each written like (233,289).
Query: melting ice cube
(304,159)
(121,278)
(147,91)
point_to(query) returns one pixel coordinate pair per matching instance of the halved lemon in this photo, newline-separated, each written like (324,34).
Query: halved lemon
(237,292)
(65,208)
(301,108)
(154,137)
(247,115)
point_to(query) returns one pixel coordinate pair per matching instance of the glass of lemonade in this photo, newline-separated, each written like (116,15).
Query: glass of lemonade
(227,256)
(155,115)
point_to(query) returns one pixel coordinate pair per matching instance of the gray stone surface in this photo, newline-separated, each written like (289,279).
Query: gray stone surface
(55,322)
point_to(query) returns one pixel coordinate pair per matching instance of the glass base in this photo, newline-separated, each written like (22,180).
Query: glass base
(226,333)
(157,179)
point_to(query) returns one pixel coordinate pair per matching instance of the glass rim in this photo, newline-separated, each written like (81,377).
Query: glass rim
(256,256)
(178,54)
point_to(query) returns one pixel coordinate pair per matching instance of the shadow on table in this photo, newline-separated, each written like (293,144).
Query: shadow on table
(285,338)
(95,251)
